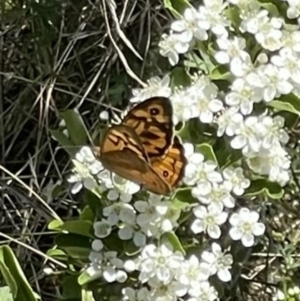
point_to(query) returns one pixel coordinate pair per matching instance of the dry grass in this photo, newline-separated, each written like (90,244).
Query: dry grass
(56,56)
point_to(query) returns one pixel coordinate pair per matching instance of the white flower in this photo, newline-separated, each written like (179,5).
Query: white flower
(274,162)
(155,87)
(201,173)
(209,220)
(124,187)
(188,28)
(288,62)
(97,245)
(203,292)
(183,106)
(243,96)
(128,228)
(165,292)
(110,274)
(171,46)
(102,229)
(127,215)
(124,216)
(291,39)
(85,155)
(86,165)
(274,133)
(107,265)
(192,272)
(135,295)
(269,33)
(293,10)
(228,121)
(104,115)
(213,18)
(205,102)
(219,262)
(218,197)
(113,270)
(95,268)
(234,180)
(156,216)
(240,67)
(245,226)
(273,81)
(247,135)
(105,179)
(230,49)
(160,262)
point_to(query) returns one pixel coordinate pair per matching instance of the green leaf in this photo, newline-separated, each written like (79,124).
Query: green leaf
(77,246)
(87,214)
(177,7)
(289,103)
(85,278)
(93,201)
(81,227)
(5,294)
(57,253)
(172,238)
(87,295)
(179,205)
(179,77)
(207,151)
(14,276)
(71,288)
(271,8)
(55,225)
(64,142)
(196,132)
(129,248)
(192,60)
(274,7)
(226,155)
(76,128)
(183,195)
(221,73)
(8,277)
(265,187)
(233,14)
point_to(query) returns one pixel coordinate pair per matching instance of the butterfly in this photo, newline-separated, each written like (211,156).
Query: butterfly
(143,148)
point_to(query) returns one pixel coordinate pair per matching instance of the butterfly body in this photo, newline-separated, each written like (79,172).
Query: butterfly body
(143,149)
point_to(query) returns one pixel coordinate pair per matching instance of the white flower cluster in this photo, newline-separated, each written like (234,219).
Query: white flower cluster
(192,27)
(169,276)
(261,138)
(214,191)
(90,173)
(136,222)
(165,274)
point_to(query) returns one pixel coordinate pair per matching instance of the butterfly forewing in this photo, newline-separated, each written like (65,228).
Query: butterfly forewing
(122,152)
(122,138)
(152,121)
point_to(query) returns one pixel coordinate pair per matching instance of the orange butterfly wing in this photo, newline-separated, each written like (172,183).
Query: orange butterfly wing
(142,149)
(152,121)
(171,167)
(122,152)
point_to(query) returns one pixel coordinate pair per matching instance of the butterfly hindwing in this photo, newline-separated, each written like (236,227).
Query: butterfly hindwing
(152,121)
(171,167)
